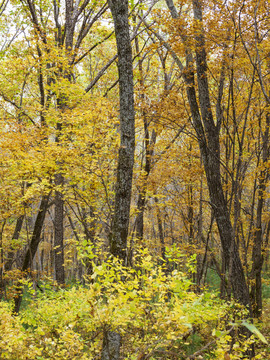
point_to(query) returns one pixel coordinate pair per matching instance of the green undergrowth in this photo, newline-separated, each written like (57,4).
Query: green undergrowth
(212,280)
(157,314)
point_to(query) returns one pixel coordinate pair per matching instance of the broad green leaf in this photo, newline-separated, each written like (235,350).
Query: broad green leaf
(252,328)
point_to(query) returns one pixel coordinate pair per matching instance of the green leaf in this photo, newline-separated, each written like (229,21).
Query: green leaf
(252,328)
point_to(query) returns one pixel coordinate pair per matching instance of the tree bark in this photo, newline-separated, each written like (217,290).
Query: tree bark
(160,232)
(211,157)
(59,233)
(11,256)
(149,149)
(111,345)
(32,249)
(16,234)
(208,138)
(120,223)
(72,12)
(257,256)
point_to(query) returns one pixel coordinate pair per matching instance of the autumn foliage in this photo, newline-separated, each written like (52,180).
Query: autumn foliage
(158,154)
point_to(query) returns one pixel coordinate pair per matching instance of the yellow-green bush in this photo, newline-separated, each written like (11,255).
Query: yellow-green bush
(155,313)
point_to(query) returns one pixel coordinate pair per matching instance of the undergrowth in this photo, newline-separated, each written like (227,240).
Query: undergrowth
(157,314)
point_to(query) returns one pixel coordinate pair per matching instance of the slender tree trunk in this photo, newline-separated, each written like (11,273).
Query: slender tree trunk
(75,13)
(59,233)
(160,232)
(208,139)
(59,178)
(120,224)
(11,255)
(209,146)
(257,256)
(16,234)
(149,149)
(32,249)
(2,281)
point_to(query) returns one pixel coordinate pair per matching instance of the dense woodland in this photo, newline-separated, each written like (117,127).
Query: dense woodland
(134,179)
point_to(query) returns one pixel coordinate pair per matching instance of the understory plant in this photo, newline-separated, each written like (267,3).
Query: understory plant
(156,312)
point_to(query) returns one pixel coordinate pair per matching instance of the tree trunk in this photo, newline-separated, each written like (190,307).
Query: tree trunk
(11,255)
(208,139)
(149,149)
(209,146)
(59,233)
(111,345)
(119,232)
(160,232)
(120,223)
(257,256)
(32,249)
(16,234)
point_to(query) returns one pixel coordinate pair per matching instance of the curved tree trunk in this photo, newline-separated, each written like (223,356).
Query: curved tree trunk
(208,138)
(32,249)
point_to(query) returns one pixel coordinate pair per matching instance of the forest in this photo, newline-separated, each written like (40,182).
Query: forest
(134,179)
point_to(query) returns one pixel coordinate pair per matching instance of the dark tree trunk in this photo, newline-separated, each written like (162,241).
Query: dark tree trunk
(149,149)
(2,282)
(160,232)
(59,268)
(120,224)
(210,150)
(11,255)
(208,139)
(16,234)
(77,15)
(111,345)
(257,256)
(32,249)
(59,233)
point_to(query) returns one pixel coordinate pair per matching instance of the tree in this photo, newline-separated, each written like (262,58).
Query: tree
(257,51)
(120,224)
(208,131)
